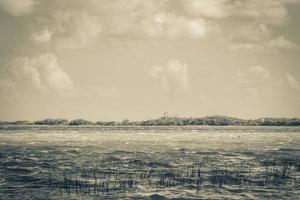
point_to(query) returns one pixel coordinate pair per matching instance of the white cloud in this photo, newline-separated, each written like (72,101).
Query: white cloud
(270,12)
(251,32)
(253,23)
(172,26)
(256,76)
(21,75)
(78,24)
(43,74)
(293,83)
(51,73)
(38,74)
(17,7)
(241,78)
(77,29)
(82,23)
(174,76)
(261,72)
(282,42)
(75,24)
(105,92)
(204,8)
(246,46)
(264,45)
(257,81)
(42,36)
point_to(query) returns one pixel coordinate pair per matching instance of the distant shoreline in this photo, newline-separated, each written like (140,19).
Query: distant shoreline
(171,129)
(164,121)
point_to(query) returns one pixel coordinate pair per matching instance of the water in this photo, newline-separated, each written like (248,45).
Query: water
(149,162)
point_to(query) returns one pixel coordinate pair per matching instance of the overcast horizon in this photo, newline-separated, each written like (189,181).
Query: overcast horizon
(129,59)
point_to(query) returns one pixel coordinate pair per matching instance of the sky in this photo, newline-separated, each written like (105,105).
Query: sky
(131,59)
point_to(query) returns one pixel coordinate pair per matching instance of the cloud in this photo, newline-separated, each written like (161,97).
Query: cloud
(172,77)
(255,75)
(77,24)
(38,74)
(257,81)
(282,42)
(174,27)
(241,78)
(251,32)
(140,20)
(292,82)
(269,12)
(246,46)
(42,36)
(17,7)
(204,8)
(253,24)
(76,29)
(261,72)
(272,45)
(51,73)
(43,75)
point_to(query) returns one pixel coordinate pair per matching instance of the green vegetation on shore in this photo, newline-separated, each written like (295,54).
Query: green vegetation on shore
(169,121)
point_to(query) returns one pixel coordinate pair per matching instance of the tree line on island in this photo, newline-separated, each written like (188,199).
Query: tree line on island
(167,120)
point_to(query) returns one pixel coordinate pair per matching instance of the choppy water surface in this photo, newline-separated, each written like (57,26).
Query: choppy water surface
(150,163)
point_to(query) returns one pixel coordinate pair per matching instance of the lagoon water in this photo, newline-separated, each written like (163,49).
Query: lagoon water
(199,162)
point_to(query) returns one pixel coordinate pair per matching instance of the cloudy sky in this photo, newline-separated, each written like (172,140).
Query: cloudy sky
(112,60)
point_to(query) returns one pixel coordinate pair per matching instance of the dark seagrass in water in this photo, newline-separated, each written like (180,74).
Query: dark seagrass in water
(150,163)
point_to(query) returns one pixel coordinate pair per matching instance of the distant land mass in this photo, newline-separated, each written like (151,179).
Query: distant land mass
(168,121)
